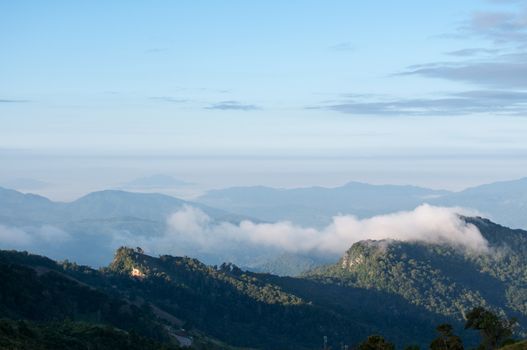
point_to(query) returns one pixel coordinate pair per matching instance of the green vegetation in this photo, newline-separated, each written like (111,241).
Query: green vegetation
(400,290)
(22,335)
(438,278)
(516,346)
(446,340)
(224,303)
(495,331)
(376,342)
(55,296)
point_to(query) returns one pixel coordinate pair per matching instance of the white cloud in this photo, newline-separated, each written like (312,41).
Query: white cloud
(16,237)
(437,225)
(51,234)
(11,237)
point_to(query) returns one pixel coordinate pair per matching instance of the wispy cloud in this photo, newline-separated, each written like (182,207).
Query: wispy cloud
(501,27)
(503,72)
(343,46)
(12,101)
(473,52)
(156,50)
(13,237)
(462,103)
(169,99)
(233,105)
(502,66)
(507,1)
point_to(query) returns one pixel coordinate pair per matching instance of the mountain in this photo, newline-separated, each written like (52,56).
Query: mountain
(47,305)
(30,208)
(504,202)
(314,206)
(90,228)
(105,204)
(439,278)
(288,264)
(147,206)
(155,297)
(17,207)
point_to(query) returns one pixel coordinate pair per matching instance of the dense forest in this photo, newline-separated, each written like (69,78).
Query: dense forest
(441,278)
(72,336)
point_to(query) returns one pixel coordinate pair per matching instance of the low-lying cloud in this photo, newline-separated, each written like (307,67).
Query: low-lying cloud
(190,231)
(426,223)
(27,237)
(12,236)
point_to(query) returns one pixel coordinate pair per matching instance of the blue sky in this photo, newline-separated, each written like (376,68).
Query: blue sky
(315,80)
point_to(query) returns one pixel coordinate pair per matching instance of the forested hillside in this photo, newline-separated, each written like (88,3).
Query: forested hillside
(400,290)
(155,297)
(441,278)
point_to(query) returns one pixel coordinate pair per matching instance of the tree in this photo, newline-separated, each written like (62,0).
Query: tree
(494,330)
(376,342)
(412,347)
(447,340)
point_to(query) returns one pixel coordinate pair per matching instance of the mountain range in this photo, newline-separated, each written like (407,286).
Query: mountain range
(503,202)
(401,290)
(91,227)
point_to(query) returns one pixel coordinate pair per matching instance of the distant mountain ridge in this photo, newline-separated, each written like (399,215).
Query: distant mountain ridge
(98,205)
(314,206)
(504,202)
(91,227)
(90,224)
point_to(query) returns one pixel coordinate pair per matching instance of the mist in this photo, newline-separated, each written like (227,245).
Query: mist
(190,227)
(16,237)
(191,232)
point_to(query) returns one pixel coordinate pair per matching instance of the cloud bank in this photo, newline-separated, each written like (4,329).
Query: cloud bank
(428,224)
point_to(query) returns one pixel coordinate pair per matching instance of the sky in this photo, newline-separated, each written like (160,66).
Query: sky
(282,93)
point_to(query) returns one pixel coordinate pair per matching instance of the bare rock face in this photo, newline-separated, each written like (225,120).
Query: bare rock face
(348,261)
(137,273)
(360,252)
